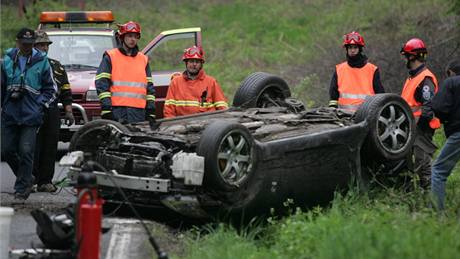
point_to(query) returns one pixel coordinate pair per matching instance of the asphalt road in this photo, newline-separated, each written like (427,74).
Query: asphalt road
(126,239)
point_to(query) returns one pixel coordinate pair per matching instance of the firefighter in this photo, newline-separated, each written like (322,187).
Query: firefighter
(124,81)
(418,90)
(446,105)
(48,135)
(354,79)
(193,91)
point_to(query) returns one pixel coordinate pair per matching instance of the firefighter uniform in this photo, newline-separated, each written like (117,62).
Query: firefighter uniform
(418,91)
(186,96)
(355,79)
(354,84)
(124,86)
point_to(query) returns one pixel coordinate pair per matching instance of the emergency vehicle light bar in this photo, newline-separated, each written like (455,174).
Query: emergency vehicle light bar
(77,17)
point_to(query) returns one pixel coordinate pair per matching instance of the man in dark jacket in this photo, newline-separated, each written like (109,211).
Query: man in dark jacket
(48,135)
(446,106)
(27,89)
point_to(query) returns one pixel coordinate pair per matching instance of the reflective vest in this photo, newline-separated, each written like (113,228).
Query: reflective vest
(408,93)
(129,80)
(354,84)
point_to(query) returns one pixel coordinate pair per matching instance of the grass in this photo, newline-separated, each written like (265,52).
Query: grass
(384,223)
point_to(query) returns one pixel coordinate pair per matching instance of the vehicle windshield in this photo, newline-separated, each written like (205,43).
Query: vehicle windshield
(80,51)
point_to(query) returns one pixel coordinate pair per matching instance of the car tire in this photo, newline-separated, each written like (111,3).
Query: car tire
(260,90)
(391,127)
(94,134)
(229,158)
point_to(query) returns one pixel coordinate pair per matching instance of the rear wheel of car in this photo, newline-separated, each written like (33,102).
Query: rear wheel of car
(391,127)
(95,134)
(228,150)
(261,90)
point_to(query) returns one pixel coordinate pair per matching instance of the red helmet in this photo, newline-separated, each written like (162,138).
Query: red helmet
(193,52)
(414,47)
(129,27)
(353,38)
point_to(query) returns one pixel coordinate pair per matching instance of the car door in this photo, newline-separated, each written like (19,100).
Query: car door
(165,58)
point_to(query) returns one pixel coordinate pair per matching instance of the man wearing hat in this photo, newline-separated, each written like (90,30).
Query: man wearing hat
(48,135)
(28,90)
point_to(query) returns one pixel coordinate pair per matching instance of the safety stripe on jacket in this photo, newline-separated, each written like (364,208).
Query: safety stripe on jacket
(131,84)
(130,95)
(349,107)
(195,103)
(150,97)
(103,75)
(221,104)
(104,95)
(354,96)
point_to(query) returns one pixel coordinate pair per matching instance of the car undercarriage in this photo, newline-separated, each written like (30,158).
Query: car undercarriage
(246,160)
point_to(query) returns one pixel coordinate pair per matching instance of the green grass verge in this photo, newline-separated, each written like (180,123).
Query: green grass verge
(381,224)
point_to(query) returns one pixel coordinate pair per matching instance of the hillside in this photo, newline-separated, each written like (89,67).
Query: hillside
(299,40)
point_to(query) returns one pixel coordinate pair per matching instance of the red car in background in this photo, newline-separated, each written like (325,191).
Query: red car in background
(81,38)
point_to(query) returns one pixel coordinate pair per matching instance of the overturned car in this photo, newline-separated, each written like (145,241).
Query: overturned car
(249,159)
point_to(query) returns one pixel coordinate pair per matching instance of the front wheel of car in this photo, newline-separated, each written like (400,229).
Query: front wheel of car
(228,150)
(95,134)
(391,127)
(261,90)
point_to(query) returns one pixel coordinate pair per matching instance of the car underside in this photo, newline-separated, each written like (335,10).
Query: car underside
(247,160)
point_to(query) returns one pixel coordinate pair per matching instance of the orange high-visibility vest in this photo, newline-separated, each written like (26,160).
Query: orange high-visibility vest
(129,80)
(354,84)
(408,92)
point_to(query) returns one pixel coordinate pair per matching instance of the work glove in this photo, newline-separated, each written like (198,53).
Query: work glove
(424,124)
(69,119)
(123,121)
(107,115)
(152,121)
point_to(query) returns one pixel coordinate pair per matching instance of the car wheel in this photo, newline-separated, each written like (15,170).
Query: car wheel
(391,126)
(228,150)
(261,90)
(95,134)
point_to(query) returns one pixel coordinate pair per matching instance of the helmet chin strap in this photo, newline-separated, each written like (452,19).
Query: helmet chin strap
(408,64)
(409,59)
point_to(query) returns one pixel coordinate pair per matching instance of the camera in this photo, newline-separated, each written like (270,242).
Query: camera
(17,93)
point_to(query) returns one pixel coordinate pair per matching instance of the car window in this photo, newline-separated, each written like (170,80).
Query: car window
(79,51)
(167,54)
